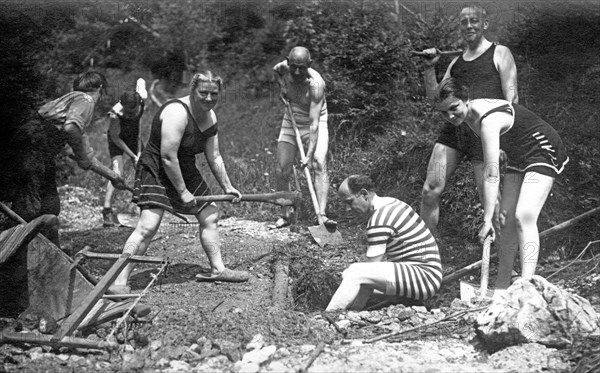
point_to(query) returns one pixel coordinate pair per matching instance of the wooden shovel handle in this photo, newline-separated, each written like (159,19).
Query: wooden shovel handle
(485,265)
(311,187)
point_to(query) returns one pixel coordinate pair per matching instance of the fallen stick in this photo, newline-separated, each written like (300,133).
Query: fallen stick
(313,356)
(281,280)
(471,267)
(334,324)
(574,260)
(449,317)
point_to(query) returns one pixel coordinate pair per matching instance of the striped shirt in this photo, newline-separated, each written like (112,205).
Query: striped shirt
(397,230)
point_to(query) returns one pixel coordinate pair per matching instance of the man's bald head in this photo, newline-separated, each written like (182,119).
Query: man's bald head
(299,56)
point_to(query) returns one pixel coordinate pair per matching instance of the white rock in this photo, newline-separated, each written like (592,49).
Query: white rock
(63,357)
(420,309)
(162,363)
(259,356)
(36,355)
(283,352)
(249,368)
(277,366)
(342,324)
(258,341)
(305,349)
(76,358)
(128,348)
(356,343)
(179,365)
(155,345)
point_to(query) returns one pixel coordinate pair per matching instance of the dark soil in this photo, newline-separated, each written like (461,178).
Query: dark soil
(204,326)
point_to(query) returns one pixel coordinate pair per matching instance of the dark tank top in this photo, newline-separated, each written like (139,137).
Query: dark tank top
(192,142)
(130,127)
(480,75)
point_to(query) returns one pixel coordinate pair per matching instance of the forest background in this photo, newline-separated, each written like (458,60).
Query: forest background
(380,122)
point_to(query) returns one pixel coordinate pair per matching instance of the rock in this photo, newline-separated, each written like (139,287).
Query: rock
(35,355)
(230,349)
(458,304)
(534,357)
(241,367)
(133,362)
(536,311)
(178,366)
(277,366)
(128,348)
(162,363)
(63,357)
(155,345)
(259,356)
(342,324)
(420,309)
(373,317)
(306,349)
(258,341)
(283,352)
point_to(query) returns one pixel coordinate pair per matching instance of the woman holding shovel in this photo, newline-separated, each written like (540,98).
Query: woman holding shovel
(536,156)
(167,177)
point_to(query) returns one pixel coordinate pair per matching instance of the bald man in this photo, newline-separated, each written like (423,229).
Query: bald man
(489,71)
(304,88)
(402,256)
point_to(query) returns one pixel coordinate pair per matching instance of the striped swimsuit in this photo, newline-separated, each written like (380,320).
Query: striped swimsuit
(398,231)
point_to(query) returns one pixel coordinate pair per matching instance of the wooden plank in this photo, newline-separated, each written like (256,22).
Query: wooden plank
(71,324)
(55,289)
(15,237)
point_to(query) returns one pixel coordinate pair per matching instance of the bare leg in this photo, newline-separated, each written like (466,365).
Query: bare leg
(506,235)
(209,237)
(441,167)
(286,154)
(359,281)
(320,167)
(138,241)
(117,166)
(534,191)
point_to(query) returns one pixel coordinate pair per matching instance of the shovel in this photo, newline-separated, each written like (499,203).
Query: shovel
(469,290)
(322,234)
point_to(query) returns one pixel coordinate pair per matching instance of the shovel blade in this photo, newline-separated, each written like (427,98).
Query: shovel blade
(325,236)
(470,290)
(128,220)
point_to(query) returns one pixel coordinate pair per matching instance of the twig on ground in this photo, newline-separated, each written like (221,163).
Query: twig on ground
(579,256)
(334,324)
(449,317)
(313,356)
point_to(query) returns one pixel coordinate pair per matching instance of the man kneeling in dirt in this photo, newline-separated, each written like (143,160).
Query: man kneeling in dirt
(412,270)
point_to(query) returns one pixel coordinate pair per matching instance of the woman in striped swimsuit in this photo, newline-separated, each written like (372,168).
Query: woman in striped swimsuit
(412,269)
(536,156)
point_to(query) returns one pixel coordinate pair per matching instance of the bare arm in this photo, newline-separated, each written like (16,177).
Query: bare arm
(317,100)
(280,70)
(84,155)
(491,127)
(431,83)
(174,121)
(217,166)
(505,64)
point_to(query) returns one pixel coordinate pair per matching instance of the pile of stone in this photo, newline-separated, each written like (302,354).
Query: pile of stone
(537,311)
